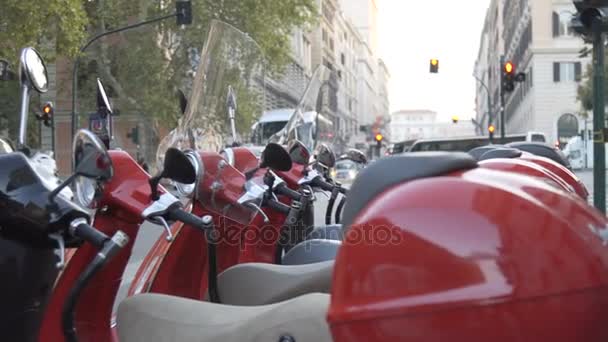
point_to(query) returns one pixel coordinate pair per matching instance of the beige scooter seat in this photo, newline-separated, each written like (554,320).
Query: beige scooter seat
(261,284)
(162,318)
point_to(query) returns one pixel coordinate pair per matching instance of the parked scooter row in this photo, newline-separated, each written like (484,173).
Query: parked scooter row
(434,244)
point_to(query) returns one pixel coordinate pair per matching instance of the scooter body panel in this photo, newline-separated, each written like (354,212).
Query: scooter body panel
(125,198)
(488,262)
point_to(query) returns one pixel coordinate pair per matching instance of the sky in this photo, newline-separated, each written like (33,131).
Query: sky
(410,33)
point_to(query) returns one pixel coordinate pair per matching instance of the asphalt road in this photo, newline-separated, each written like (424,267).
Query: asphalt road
(149,233)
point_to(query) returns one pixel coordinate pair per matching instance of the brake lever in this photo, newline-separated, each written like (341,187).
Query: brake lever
(259,210)
(59,252)
(159,220)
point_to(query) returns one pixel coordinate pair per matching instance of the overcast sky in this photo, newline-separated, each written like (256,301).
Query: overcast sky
(413,32)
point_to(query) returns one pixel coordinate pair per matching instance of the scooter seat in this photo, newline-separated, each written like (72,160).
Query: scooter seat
(162,318)
(261,284)
(312,251)
(330,232)
(503,152)
(390,171)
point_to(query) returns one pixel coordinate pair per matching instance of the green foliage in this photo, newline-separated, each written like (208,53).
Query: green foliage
(50,26)
(143,68)
(585,91)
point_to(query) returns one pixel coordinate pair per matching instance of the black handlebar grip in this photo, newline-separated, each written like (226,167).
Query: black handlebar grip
(90,234)
(179,214)
(318,182)
(284,190)
(278,206)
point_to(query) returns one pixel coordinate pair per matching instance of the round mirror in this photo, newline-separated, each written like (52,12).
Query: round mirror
(33,70)
(5,147)
(356,156)
(299,153)
(275,157)
(178,167)
(91,160)
(325,156)
(102,97)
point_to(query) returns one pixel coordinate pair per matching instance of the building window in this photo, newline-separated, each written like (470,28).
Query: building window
(566,72)
(331,44)
(324,35)
(343,58)
(561,24)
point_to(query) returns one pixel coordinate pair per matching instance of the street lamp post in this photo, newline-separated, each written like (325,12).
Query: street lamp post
(489,101)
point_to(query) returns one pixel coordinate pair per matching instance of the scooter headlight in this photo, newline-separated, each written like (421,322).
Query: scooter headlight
(85,191)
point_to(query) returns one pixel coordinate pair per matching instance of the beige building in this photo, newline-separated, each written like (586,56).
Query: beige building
(364,15)
(424,124)
(536,38)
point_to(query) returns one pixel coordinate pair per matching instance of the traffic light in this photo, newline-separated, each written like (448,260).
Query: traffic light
(491,130)
(379,139)
(455,119)
(434,66)
(508,77)
(134,135)
(47,114)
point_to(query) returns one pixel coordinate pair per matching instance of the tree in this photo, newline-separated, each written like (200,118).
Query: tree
(585,91)
(142,68)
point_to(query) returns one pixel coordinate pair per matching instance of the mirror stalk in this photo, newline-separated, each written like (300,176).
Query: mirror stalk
(61,186)
(25,101)
(154,181)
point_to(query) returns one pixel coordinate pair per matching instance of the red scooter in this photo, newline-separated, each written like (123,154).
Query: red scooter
(128,199)
(244,235)
(484,261)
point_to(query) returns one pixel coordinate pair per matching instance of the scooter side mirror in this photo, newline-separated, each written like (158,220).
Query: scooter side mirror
(299,153)
(177,167)
(103,103)
(91,159)
(276,158)
(183,102)
(325,156)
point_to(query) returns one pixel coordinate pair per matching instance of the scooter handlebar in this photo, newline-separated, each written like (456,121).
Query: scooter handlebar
(178,214)
(278,206)
(284,190)
(80,228)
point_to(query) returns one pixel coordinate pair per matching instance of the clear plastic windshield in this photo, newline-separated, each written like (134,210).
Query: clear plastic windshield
(142,71)
(230,59)
(303,123)
(230,62)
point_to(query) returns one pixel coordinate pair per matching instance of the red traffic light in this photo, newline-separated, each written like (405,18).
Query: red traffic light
(509,68)
(379,137)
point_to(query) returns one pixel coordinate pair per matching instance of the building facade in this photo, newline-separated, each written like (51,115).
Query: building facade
(536,37)
(424,124)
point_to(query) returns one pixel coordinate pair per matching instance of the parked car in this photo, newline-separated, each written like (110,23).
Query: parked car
(346,170)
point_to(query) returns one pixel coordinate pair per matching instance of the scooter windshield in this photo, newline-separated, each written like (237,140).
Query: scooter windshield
(142,70)
(229,79)
(307,123)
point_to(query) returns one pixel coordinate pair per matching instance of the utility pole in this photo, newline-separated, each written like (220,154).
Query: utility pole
(590,22)
(599,156)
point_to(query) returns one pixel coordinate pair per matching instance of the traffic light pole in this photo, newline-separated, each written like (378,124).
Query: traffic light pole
(502,104)
(599,156)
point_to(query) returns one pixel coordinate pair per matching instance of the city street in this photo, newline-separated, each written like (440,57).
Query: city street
(149,233)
